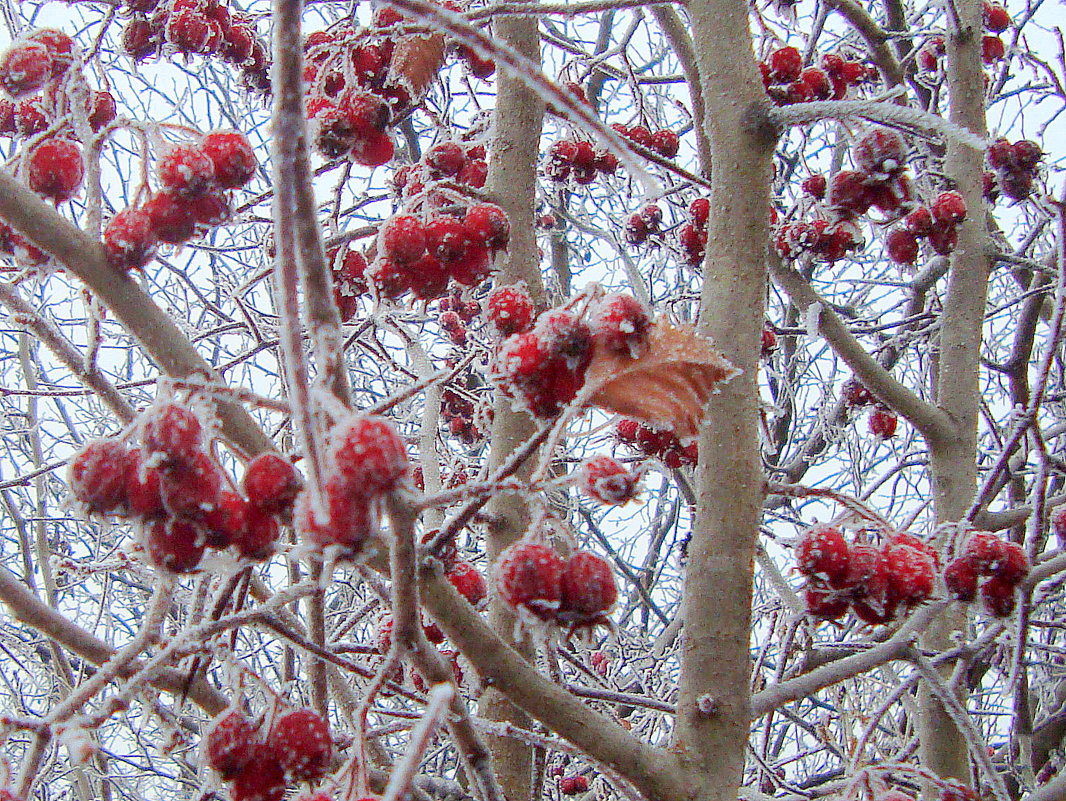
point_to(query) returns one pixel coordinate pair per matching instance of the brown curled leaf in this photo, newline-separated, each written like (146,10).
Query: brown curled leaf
(415,63)
(667,386)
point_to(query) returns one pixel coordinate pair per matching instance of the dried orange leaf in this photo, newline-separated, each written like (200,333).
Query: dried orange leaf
(415,62)
(667,386)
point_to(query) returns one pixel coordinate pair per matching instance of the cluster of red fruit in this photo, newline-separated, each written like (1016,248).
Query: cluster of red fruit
(664,141)
(607,480)
(172,486)
(660,443)
(198,28)
(457,412)
(644,223)
(579,160)
(882,420)
(876,582)
(938,224)
(383,642)
(543,367)
(1014,168)
(787,81)
(996,20)
(534,579)
(692,236)
(195,180)
(297,747)
(460,163)
(366,460)
(1002,564)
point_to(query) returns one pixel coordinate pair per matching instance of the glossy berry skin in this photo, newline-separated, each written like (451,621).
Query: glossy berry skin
(232,156)
(55,169)
(607,480)
(509,309)
(573,785)
(300,741)
(529,577)
(98,475)
(589,590)
(175,545)
(25,68)
(468,581)
(173,431)
(822,553)
(229,743)
(883,423)
(369,454)
(130,240)
(271,483)
(621,324)
(261,779)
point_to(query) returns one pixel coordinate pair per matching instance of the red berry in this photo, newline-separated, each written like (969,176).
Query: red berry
(1024,155)
(699,211)
(999,154)
(768,342)
(992,49)
(529,576)
(470,583)
(996,18)
(103,112)
(880,151)
(191,32)
(901,246)
(912,573)
(60,48)
(1013,564)
(822,553)
(818,83)
(24,68)
(173,431)
(271,483)
(229,743)
(621,324)
(446,158)
(403,239)
(855,395)
(192,489)
(825,603)
(172,217)
(572,785)
(1017,185)
(55,168)
(588,589)
(883,423)
(175,544)
(509,309)
(258,536)
(30,118)
(139,39)
(985,550)
(98,475)
(211,208)
(666,143)
(186,169)
(227,522)
(786,64)
(815,185)
(348,522)
(949,208)
(487,224)
(232,157)
(641,136)
(446,238)
(998,596)
(301,743)
(868,580)
(369,454)
(261,779)
(129,239)
(848,192)
(919,222)
(960,576)
(143,486)
(607,480)
(693,241)
(943,238)
(636,229)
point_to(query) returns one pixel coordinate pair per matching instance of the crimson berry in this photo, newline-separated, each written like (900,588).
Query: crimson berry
(239,44)
(446,238)
(699,211)
(403,239)
(258,536)
(143,480)
(175,544)
(428,277)
(186,169)
(472,266)
(474,173)
(1013,564)
(468,581)
(848,192)
(25,68)
(949,208)
(996,18)
(786,64)
(606,162)
(572,785)
(607,480)
(232,158)
(901,246)
(628,431)
(301,743)
(880,151)
(868,581)
(943,238)
(509,309)
(261,779)
(191,32)
(227,521)
(56,169)
(173,431)
(912,573)
(588,589)
(446,158)
(985,550)
(998,595)
(103,112)
(621,324)
(919,222)
(824,603)
(348,522)
(992,49)
(822,553)
(98,475)
(693,241)
(487,223)
(815,185)
(229,743)
(368,453)
(7,116)
(172,217)
(130,239)
(636,229)
(192,489)
(271,483)
(210,208)
(883,423)
(1017,185)
(1025,155)
(666,143)
(60,48)
(529,576)
(960,576)
(818,83)
(139,39)
(768,342)
(30,118)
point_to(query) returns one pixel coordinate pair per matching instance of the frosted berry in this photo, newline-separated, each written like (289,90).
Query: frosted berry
(139,39)
(825,603)
(227,521)
(815,186)
(55,168)
(992,49)
(1025,155)
(817,82)
(848,192)
(186,169)
(470,583)
(949,208)
(143,491)
(130,240)
(607,480)
(446,238)
(912,573)
(868,582)
(232,156)
(30,118)
(60,48)
(301,743)
(175,545)
(529,576)
(944,238)
(403,239)
(960,576)
(211,208)
(103,112)
(348,523)
(666,143)
(368,453)
(822,553)
(271,483)
(880,151)
(24,68)
(883,423)
(699,211)
(1012,565)
(588,587)
(261,779)
(786,64)
(173,431)
(998,596)
(919,221)
(487,223)
(258,536)
(621,324)
(985,550)
(995,16)
(509,309)
(191,488)
(190,32)
(446,158)
(172,217)
(98,475)
(229,743)
(767,343)
(573,785)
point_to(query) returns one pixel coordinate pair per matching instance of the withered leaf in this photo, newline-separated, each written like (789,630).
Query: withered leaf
(415,62)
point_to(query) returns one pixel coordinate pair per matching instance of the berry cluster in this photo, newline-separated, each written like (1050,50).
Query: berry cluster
(938,224)
(1002,564)
(1014,166)
(458,412)
(462,164)
(579,160)
(787,81)
(535,580)
(882,420)
(298,747)
(692,236)
(573,785)
(544,367)
(661,444)
(198,28)
(876,582)
(433,633)
(996,21)
(664,142)
(366,460)
(172,486)
(644,223)
(607,480)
